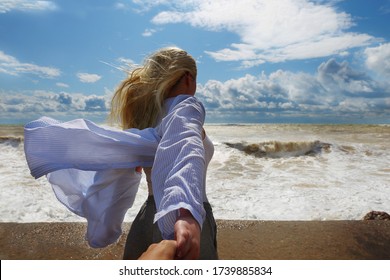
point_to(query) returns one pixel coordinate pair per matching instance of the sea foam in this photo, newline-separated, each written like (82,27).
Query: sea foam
(263,172)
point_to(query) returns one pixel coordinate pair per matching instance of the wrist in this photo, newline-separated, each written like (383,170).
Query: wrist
(184,213)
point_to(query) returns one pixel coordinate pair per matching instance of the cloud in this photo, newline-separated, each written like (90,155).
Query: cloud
(95,103)
(88,78)
(378,59)
(64,98)
(385,9)
(62,85)
(25,106)
(120,6)
(272,31)
(126,61)
(27,5)
(336,92)
(148,32)
(340,77)
(12,66)
(146,5)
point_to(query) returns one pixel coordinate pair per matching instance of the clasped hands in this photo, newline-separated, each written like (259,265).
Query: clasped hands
(186,245)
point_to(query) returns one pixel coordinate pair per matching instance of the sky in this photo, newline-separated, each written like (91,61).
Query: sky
(259,61)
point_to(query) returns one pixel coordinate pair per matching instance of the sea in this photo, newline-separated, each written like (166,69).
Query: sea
(258,172)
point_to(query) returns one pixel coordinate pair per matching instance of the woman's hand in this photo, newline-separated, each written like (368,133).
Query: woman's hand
(187,235)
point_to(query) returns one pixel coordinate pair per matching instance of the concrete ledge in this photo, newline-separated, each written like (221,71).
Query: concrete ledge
(255,240)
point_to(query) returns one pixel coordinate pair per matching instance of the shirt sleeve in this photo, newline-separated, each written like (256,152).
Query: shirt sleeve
(91,169)
(51,145)
(101,197)
(179,167)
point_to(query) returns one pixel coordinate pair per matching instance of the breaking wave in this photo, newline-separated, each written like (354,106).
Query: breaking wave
(13,141)
(277,149)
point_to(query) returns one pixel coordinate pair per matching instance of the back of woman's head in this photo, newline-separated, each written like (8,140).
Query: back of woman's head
(139,98)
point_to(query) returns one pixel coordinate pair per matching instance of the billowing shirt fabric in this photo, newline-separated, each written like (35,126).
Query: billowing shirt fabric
(92,168)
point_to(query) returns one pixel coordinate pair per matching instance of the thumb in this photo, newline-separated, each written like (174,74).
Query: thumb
(183,244)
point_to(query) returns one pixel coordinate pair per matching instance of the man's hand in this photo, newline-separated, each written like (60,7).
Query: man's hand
(187,235)
(164,250)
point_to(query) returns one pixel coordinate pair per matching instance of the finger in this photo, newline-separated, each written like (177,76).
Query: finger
(165,250)
(169,248)
(183,243)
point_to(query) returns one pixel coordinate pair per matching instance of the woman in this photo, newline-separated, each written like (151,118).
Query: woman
(142,101)
(164,134)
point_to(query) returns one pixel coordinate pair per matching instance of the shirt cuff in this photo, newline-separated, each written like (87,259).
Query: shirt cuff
(167,218)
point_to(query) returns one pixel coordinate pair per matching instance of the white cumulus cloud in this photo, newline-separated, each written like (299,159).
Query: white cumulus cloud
(25,106)
(272,31)
(88,78)
(336,91)
(378,59)
(12,66)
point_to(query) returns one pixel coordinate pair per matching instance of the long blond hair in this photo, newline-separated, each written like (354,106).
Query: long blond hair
(138,101)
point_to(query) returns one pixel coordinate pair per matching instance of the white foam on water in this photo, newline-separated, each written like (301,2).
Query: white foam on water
(345,181)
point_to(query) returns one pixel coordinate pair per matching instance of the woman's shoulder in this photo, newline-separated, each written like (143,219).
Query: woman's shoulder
(181,110)
(185,101)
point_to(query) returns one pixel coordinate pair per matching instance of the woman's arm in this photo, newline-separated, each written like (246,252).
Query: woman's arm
(187,235)
(178,176)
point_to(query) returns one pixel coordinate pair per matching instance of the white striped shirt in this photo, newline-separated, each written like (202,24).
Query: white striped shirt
(91,168)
